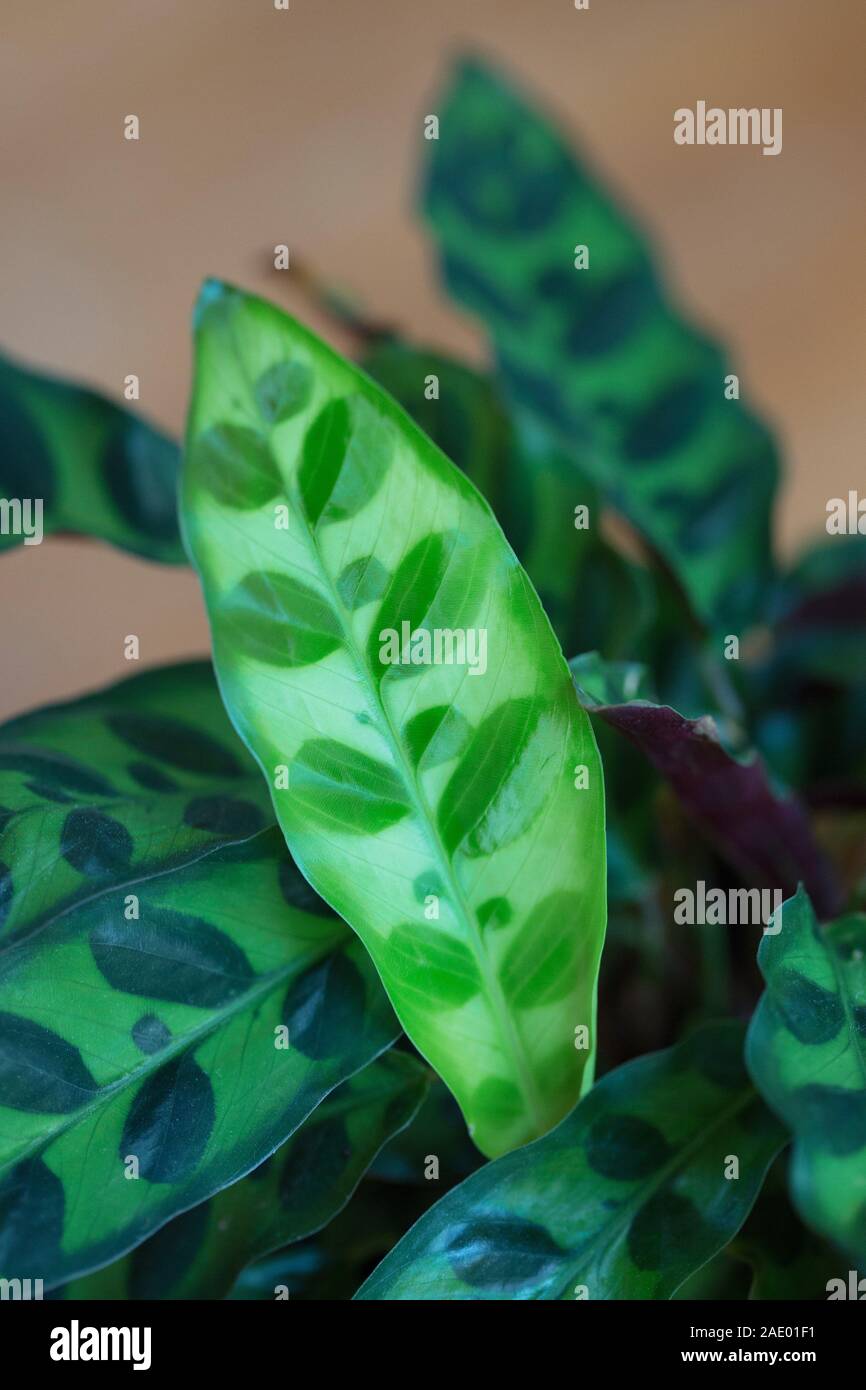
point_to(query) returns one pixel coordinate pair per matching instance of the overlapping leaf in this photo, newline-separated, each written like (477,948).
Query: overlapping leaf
(807,1055)
(288,1197)
(787,1260)
(151,1056)
(110,789)
(633,1192)
(765,834)
(434,804)
(637,395)
(95,467)
(594,597)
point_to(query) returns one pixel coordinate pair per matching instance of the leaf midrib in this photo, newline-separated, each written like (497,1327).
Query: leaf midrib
(513,1043)
(216,1019)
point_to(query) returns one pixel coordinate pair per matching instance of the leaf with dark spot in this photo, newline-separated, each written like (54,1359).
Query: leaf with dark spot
(625,1199)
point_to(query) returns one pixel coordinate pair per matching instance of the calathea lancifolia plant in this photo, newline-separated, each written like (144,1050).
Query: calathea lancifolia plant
(299,951)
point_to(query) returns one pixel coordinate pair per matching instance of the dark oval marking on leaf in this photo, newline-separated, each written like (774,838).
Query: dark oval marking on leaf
(813,1014)
(436,735)
(666,424)
(625,1147)
(297,892)
(139,469)
(346,454)
(32,1205)
(315,1162)
(173,742)
(412,591)
(277,619)
(428,884)
(502,1254)
(663,1228)
(238,466)
(7,891)
(53,771)
(223,815)
(150,1034)
(283,391)
(170,1121)
(501,782)
(170,955)
(495,912)
(838,1114)
(158,1266)
(437,965)
(40,1072)
(470,285)
(542,962)
(151,778)
(26,466)
(95,844)
(324,1008)
(362,581)
(334,782)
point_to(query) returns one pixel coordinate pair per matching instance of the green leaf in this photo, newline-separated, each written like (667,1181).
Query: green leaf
(292,1194)
(158,1038)
(636,394)
(807,1055)
(786,1260)
(96,468)
(625,1199)
(593,596)
(103,792)
(487,827)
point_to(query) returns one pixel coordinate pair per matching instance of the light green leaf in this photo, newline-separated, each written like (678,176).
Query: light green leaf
(491,831)
(95,468)
(807,1055)
(631,1194)
(292,1194)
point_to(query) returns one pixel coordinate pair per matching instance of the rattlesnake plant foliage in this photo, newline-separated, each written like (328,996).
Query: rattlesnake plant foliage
(190,1043)
(625,1199)
(156,935)
(452,813)
(294,1193)
(807,1054)
(596,350)
(96,468)
(111,789)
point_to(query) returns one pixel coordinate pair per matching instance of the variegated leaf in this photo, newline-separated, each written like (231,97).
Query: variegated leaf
(444,792)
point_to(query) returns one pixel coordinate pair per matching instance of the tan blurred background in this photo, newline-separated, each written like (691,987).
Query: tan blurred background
(259,127)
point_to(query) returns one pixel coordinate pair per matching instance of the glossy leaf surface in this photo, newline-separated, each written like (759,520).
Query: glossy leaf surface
(625,1199)
(293,1193)
(597,351)
(97,468)
(113,788)
(148,1060)
(431,802)
(807,1054)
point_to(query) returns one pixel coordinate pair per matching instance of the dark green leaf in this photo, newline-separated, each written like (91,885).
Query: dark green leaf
(636,395)
(631,1194)
(95,468)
